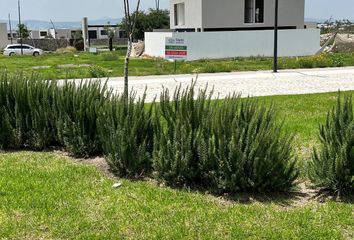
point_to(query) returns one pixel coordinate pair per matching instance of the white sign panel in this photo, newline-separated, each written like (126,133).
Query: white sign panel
(176,49)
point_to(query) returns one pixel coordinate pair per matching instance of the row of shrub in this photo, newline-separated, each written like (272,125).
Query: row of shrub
(186,139)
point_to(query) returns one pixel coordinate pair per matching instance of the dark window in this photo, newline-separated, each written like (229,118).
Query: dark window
(43,34)
(104,32)
(259,13)
(92,34)
(254,11)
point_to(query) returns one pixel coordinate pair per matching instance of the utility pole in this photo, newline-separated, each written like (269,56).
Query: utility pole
(275,61)
(19,25)
(10,28)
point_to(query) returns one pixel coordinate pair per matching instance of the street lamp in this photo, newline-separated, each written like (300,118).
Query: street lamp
(275,65)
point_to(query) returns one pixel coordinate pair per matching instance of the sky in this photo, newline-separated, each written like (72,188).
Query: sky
(74,10)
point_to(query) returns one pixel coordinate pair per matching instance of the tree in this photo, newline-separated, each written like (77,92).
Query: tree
(130,27)
(148,21)
(111,32)
(22,30)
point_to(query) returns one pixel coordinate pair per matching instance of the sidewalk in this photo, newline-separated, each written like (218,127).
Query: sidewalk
(261,83)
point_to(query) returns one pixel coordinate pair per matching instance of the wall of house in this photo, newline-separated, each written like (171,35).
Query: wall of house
(230,13)
(3,35)
(60,33)
(193,14)
(228,44)
(34,34)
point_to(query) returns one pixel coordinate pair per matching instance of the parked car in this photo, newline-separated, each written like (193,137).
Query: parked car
(15,49)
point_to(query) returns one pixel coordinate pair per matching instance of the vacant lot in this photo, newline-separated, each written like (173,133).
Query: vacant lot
(49,196)
(86,65)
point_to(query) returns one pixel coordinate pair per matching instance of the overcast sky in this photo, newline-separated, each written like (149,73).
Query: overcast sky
(74,10)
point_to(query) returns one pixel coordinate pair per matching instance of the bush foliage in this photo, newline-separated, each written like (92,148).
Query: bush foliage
(76,106)
(126,132)
(332,165)
(187,139)
(227,147)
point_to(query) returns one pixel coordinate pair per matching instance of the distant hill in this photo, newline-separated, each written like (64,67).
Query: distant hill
(38,24)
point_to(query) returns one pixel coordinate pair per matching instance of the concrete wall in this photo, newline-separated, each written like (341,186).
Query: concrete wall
(48,44)
(214,45)
(193,18)
(230,13)
(155,43)
(3,36)
(102,42)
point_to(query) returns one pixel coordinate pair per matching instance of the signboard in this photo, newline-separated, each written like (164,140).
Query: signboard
(176,49)
(92,50)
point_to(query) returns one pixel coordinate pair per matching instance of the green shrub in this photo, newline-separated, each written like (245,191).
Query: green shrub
(77,107)
(183,130)
(41,125)
(229,146)
(126,134)
(252,152)
(26,112)
(332,165)
(108,57)
(97,72)
(6,131)
(337,60)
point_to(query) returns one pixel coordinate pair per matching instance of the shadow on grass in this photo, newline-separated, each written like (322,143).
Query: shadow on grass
(300,195)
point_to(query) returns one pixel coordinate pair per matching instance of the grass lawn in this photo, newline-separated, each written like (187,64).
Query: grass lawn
(111,64)
(44,196)
(48,196)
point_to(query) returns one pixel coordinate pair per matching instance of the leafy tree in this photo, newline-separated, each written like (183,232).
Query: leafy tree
(22,30)
(111,32)
(148,21)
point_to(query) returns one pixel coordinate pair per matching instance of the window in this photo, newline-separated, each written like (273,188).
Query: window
(43,34)
(254,11)
(104,32)
(179,12)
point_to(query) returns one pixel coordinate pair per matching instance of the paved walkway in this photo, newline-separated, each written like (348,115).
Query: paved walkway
(262,83)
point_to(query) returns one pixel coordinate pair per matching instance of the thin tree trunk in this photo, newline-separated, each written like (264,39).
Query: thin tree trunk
(130,26)
(110,44)
(126,67)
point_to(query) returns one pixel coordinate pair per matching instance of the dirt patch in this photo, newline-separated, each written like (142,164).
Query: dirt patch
(40,67)
(73,65)
(98,162)
(302,195)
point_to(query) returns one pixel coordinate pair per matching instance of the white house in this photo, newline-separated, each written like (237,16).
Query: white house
(236,28)
(231,15)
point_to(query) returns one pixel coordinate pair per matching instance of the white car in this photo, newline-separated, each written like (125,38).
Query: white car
(15,49)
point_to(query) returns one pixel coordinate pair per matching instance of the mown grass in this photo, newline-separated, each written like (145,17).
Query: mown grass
(111,64)
(47,196)
(302,116)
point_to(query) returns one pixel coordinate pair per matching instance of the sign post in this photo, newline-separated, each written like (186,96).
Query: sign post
(176,49)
